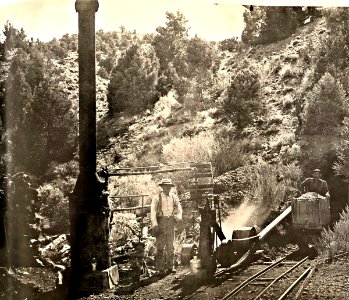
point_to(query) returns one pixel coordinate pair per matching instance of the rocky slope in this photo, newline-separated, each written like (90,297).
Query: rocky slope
(283,67)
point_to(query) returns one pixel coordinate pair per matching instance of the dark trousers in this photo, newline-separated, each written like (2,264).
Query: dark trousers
(164,243)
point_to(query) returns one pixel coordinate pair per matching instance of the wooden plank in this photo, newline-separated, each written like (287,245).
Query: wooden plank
(202,190)
(145,207)
(201,165)
(148,172)
(128,196)
(200,195)
(202,175)
(202,170)
(201,186)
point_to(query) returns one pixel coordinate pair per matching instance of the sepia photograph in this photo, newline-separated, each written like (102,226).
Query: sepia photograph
(174,149)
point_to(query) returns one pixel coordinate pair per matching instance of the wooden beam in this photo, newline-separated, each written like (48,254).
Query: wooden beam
(115,173)
(129,208)
(129,196)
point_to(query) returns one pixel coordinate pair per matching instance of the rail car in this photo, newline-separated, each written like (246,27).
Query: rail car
(310,214)
(310,211)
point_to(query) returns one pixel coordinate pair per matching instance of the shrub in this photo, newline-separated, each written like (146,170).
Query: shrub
(341,166)
(335,241)
(55,207)
(266,24)
(275,119)
(326,108)
(132,185)
(243,101)
(133,81)
(53,196)
(282,140)
(198,148)
(287,102)
(269,187)
(102,72)
(290,154)
(229,154)
(286,71)
(333,53)
(271,184)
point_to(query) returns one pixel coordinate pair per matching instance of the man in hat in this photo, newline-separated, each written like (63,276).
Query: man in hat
(165,212)
(315,184)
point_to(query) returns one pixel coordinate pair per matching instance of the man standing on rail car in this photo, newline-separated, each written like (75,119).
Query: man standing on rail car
(315,184)
(165,212)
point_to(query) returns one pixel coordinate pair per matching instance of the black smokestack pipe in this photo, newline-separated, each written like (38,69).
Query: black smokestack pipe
(89,227)
(87,86)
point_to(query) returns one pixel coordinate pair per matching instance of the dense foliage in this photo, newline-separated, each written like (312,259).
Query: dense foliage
(133,81)
(325,108)
(242,102)
(268,24)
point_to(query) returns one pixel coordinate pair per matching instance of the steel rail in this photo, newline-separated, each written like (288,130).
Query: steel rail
(294,284)
(250,279)
(305,282)
(282,275)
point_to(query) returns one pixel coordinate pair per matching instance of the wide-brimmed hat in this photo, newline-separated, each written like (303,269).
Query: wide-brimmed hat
(166,182)
(316,170)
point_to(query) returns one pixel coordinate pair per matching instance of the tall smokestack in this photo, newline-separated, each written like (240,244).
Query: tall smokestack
(89,211)
(87,86)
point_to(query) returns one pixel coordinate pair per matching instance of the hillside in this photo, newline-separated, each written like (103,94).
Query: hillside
(264,115)
(283,67)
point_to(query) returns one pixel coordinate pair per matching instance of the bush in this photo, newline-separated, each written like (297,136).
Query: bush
(326,108)
(53,196)
(102,72)
(229,154)
(54,207)
(268,24)
(335,241)
(198,148)
(132,185)
(286,71)
(133,81)
(333,53)
(341,166)
(243,101)
(270,185)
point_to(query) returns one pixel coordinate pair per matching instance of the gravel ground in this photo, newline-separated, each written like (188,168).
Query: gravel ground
(330,281)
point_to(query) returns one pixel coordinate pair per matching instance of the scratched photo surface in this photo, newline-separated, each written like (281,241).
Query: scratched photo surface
(169,149)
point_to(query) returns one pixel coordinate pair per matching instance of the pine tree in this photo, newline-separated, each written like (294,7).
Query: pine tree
(170,45)
(132,86)
(39,122)
(242,101)
(268,24)
(326,108)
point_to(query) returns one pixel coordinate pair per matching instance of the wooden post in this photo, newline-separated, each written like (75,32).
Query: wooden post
(89,211)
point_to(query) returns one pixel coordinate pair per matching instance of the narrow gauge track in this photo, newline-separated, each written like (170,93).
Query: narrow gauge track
(284,274)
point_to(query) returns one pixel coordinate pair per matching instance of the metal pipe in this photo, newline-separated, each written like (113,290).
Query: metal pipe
(260,237)
(273,224)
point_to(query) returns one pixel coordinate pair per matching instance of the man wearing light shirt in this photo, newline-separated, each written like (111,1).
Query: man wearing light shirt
(165,212)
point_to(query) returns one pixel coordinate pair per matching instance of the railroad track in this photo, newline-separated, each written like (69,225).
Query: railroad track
(284,277)
(277,280)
